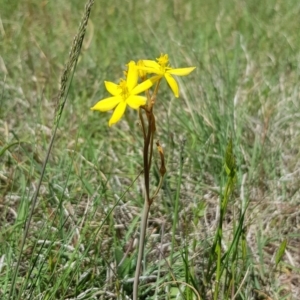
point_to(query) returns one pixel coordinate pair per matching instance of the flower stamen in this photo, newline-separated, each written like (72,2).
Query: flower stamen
(124,89)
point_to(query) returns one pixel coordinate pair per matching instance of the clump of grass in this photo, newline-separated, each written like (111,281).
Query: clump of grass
(66,80)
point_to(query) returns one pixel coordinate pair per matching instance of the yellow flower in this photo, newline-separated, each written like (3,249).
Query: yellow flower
(125,93)
(163,69)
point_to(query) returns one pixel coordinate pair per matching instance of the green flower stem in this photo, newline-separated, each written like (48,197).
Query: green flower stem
(144,221)
(142,123)
(148,142)
(152,129)
(148,134)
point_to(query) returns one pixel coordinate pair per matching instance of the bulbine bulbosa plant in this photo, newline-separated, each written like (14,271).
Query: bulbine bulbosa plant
(143,76)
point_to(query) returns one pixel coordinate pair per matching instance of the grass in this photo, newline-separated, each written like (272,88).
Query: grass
(83,235)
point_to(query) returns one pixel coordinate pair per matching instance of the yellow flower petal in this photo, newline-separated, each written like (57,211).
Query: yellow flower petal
(132,76)
(151,64)
(181,71)
(173,84)
(136,101)
(107,103)
(151,70)
(145,85)
(118,113)
(155,78)
(112,88)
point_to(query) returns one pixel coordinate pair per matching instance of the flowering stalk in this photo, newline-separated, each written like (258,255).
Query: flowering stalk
(148,132)
(126,93)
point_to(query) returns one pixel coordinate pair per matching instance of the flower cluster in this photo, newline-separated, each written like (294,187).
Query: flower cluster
(128,90)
